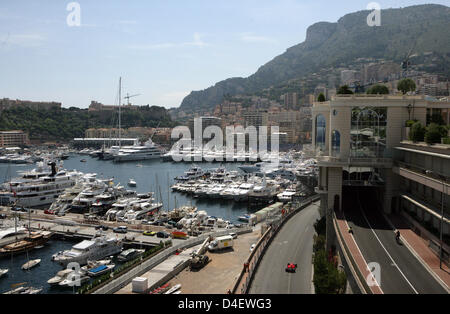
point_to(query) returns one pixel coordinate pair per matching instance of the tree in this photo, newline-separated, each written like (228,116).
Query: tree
(406,85)
(321,97)
(417,132)
(327,278)
(344,90)
(434,133)
(378,89)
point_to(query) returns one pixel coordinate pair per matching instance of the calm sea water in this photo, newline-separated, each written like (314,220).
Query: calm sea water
(154,176)
(38,275)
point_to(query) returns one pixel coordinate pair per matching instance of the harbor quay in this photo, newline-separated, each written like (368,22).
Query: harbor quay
(74,226)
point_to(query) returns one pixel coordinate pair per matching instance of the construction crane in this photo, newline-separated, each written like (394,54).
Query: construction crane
(127,97)
(406,63)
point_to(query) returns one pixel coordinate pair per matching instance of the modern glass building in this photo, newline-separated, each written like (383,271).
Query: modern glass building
(361,141)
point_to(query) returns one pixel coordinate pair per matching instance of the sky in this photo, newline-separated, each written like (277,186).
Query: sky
(162,49)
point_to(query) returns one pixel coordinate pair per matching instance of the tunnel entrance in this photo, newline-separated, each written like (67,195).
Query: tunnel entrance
(362,187)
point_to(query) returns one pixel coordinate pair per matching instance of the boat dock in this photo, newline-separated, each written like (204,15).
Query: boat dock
(73,226)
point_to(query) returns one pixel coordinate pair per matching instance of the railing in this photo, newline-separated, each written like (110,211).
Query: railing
(354,160)
(246,276)
(426,172)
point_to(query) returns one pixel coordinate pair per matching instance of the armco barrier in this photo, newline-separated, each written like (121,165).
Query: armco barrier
(244,280)
(125,279)
(356,274)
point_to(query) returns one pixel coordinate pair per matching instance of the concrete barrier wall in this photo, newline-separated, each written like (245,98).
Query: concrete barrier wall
(356,278)
(244,280)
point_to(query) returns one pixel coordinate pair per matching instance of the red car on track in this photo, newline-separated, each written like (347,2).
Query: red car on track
(291,268)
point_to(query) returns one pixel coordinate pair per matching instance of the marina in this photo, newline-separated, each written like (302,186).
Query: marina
(123,208)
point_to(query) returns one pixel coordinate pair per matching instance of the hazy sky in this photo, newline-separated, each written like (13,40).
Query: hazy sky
(163,49)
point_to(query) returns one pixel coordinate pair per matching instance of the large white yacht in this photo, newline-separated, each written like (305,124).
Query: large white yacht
(95,249)
(39,188)
(138,152)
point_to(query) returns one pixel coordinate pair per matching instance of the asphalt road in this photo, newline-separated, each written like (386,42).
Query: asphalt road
(400,271)
(292,244)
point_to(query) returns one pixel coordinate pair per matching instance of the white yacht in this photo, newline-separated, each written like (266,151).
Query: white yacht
(287,195)
(95,249)
(241,194)
(137,152)
(193,173)
(40,188)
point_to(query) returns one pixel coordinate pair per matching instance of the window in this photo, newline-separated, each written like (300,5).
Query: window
(335,143)
(368,132)
(320,132)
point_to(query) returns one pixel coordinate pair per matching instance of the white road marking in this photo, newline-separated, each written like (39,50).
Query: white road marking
(389,255)
(364,259)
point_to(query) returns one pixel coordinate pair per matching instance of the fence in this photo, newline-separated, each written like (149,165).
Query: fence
(245,278)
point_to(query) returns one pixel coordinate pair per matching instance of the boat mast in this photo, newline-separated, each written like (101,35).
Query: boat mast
(120,99)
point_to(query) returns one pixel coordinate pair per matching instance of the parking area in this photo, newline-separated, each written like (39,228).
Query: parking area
(221,272)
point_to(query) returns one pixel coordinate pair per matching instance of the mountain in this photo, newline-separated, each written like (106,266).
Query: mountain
(420,29)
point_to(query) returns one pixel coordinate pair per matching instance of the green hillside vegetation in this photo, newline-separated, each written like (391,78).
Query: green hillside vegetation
(66,124)
(419,28)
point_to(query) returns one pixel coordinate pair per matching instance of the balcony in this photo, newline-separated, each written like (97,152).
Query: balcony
(436,181)
(329,161)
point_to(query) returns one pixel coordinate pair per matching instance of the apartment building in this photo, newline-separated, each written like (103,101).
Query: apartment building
(13,139)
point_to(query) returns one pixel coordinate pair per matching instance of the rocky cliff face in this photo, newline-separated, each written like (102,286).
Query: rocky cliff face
(420,28)
(319,33)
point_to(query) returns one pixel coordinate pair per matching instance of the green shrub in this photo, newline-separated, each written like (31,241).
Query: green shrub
(409,123)
(327,278)
(344,90)
(417,132)
(378,89)
(321,97)
(406,85)
(434,133)
(320,226)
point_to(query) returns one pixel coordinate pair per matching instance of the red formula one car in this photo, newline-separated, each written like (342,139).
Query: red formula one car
(291,268)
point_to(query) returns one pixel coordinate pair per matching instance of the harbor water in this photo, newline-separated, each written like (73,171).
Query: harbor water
(151,176)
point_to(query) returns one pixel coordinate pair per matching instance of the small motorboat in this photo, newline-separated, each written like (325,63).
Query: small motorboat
(94,264)
(60,276)
(3,272)
(25,290)
(30,264)
(100,270)
(129,255)
(132,182)
(70,281)
(83,160)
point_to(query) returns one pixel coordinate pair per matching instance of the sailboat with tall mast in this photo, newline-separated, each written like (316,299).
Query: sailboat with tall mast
(108,154)
(136,152)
